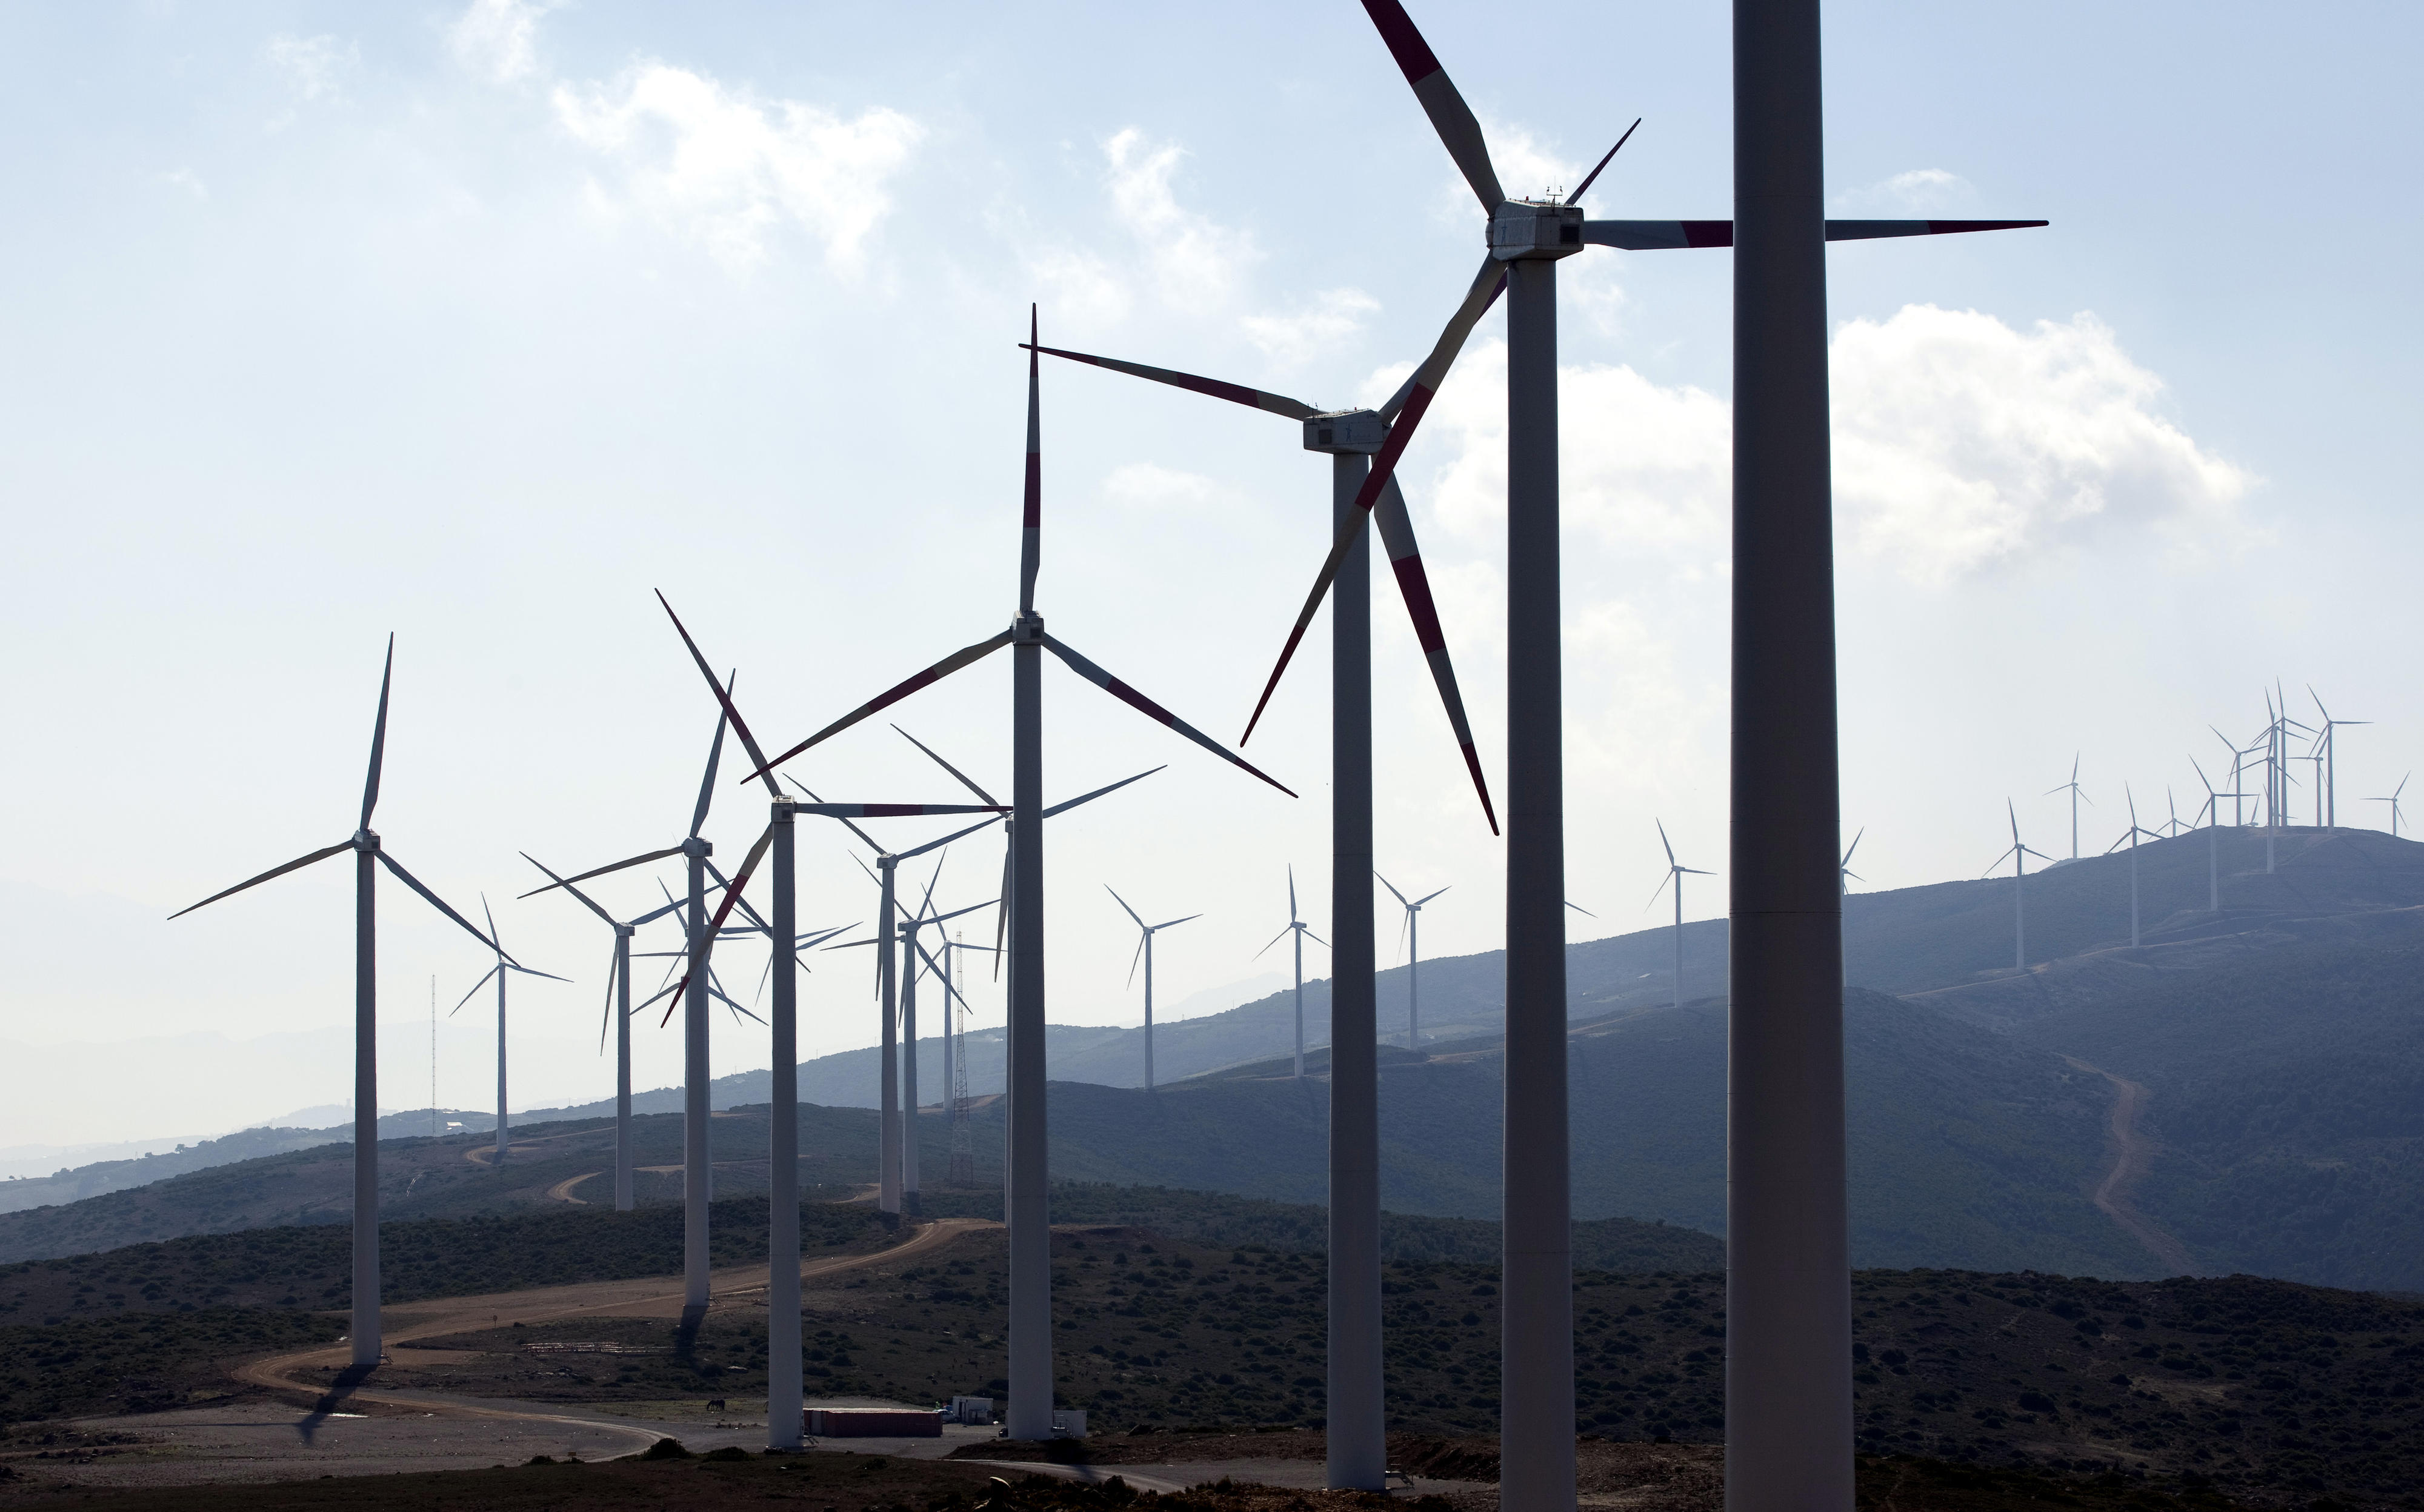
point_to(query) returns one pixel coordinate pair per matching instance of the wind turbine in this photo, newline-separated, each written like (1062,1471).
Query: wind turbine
(1144,953)
(2393,801)
(498,971)
(913,954)
(697,1165)
(2019,855)
(1026,1200)
(2331,771)
(1844,877)
(1299,929)
(368,855)
(2213,840)
(618,1014)
(1411,932)
(784,1386)
(2131,839)
(1675,872)
(1793,624)
(2072,787)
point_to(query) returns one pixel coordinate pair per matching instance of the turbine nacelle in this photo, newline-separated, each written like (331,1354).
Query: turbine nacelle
(1345,430)
(1529,229)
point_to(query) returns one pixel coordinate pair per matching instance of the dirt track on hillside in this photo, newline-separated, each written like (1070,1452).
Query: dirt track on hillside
(654,1297)
(2133,1153)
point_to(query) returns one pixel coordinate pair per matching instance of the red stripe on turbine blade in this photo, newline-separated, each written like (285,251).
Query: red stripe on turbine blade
(1414,57)
(1472,765)
(1708,232)
(1137,700)
(1417,590)
(965,655)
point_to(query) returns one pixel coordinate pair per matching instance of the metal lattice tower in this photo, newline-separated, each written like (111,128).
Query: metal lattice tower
(964,1147)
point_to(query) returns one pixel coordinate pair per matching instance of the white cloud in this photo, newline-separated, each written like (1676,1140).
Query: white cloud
(1196,260)
(1961,443)
(314,68)
(1150,487)
(728,169)
(1319,324)
(1642,463)
(497,40)
(1918,192)
(186,182)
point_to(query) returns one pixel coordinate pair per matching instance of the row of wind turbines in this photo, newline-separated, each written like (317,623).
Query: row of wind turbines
(1788,1392)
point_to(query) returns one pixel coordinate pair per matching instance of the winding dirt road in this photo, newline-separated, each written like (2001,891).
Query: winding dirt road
(2133,1153)
(654,1297)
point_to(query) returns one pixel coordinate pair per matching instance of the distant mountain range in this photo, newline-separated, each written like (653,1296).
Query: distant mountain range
(2243,1091)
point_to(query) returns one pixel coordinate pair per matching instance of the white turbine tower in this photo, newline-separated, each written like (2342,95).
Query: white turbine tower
(2330,763)
(2019,855)
(2393,801)
(1675,872)
(2073,788)
(1412,934)
(1144,953)
(618,1018)
(504,1141)
(1299,929)
(368,857)
(2131,839)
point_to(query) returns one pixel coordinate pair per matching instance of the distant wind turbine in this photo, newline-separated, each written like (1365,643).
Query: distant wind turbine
(1299,929)
(2393,801)
(1675,872)
(1412,934)
(498,971)
(2331,765)
(2073,788)
(2131,839)
(1144,953)
(368,857)
(2212,811)
(2019,855)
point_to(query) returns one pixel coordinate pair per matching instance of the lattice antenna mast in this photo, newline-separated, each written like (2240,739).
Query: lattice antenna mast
(963,1145)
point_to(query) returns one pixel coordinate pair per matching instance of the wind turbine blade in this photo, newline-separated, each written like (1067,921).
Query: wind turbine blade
(1668,235)
(654,914)
(1695,871)
(475,987)
(1661,890)
(756,919)
(1592,177)
(1088,798)
(588,901)
(660,992)
(529,971)
(956,835)
(1396,530)
(1001,914)
(1030,529)
(1145,706)
(1854,845)
(1420,388)
(606,1019)
(1291,875)
(706,949)
(961,658)
(1570,903)
(937,968)
(1317,939)
(438,903)
(1124,904)
(897,810)
(378,736)
(489,914)
(1663,841)
(965,780)
(714,760)
(601,871)
(1138,956)
(1275,939)
(942,918)
(724,698)
(1450,115)
(2015,815)
(1393,889)
(1236,393)
(1420,901)
(1173,923)
(296,865)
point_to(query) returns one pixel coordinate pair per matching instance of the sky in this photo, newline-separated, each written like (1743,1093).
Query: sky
(476,323)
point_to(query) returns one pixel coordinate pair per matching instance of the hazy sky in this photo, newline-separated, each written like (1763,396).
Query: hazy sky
(477,323)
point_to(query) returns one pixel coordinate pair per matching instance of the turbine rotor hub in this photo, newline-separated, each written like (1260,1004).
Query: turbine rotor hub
(1345,430)
(1522,230)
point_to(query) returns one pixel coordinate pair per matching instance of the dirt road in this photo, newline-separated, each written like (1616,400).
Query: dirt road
(655,1297)
(2133,1153)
